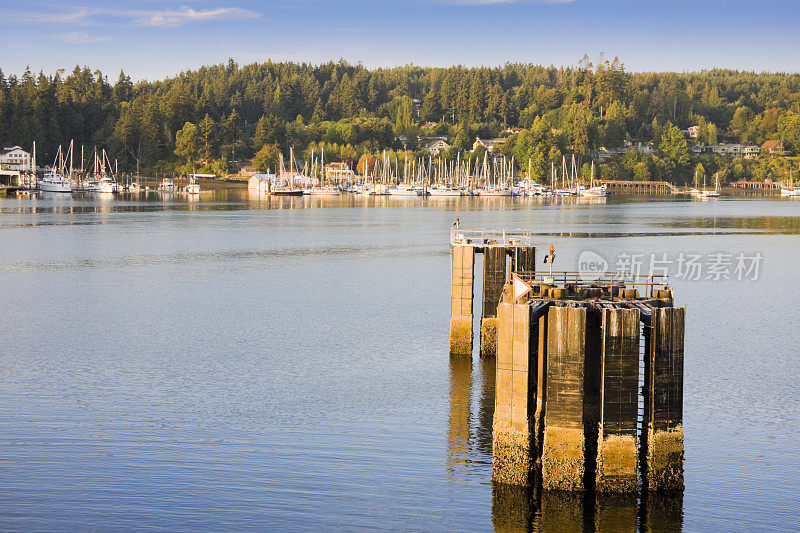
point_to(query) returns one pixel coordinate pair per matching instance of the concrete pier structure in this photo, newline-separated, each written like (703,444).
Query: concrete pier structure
(617,444)
(461,300)
(512,462)
(494,279)
(564,445)
(663,436)
(567,386)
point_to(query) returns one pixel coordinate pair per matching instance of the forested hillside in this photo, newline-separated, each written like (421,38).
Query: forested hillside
(228,112)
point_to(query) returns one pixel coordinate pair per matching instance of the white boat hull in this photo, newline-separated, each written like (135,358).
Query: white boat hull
(46,186)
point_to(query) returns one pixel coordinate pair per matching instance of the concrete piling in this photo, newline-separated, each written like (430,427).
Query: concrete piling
(461,300)
(523,258)
(566,384)
(511,445)
(564,446)
(617,446)
(494,278)
(663,446)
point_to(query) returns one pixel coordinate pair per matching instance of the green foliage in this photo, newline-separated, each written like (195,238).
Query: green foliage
(267,159)
(352,110)
(188,143)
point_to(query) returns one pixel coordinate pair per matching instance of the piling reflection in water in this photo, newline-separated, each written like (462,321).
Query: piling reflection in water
(486,407)
(521,509)
(459,426)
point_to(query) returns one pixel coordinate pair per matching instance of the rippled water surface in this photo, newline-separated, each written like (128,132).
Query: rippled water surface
(243,363)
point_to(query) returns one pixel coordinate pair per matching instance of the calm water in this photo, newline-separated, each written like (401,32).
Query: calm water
(236,363)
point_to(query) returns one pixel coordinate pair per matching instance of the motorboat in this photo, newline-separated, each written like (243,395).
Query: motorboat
(444,190)
(54,181)
(106,185)
(167,185)
(322,191)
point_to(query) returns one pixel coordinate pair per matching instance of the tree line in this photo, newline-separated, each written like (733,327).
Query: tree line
(226,113)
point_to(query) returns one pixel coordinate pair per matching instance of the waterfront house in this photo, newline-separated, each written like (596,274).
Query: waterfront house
(773,147)
(260,182)
(339,172)
(489,144)
(750,151)
(15,158)
(437,146)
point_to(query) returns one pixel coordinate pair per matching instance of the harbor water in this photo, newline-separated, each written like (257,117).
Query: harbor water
(235,362)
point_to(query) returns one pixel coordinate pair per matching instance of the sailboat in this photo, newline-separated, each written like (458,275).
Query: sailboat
(594,191)
(106,184)
(705,193)
(287,188)
(790,190)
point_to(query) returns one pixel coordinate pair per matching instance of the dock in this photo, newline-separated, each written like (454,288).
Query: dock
(588,369)
(641,187)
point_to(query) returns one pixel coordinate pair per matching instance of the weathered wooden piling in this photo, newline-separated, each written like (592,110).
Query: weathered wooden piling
(564,445)
(567,391)
(494,278)
(617,450)
(523,258)
(664,400)
(511,444)
(567,387)
(461,296)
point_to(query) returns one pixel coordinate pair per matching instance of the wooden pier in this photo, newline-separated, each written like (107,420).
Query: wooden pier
(641,187)
(568,386)
(761,186)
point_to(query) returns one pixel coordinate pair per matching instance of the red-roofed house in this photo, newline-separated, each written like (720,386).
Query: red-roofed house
(773,147)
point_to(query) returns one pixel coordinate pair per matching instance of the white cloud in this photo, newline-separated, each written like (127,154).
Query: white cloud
(177,17)
(82,37)
(165,18)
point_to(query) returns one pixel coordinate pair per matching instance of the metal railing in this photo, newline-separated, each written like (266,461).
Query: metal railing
(503,237)
(645,284)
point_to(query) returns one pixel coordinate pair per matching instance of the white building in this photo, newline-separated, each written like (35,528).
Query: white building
(437,146)
(489,144)
(734,150)
(15,158)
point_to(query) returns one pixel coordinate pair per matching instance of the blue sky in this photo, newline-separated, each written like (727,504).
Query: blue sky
(152,39)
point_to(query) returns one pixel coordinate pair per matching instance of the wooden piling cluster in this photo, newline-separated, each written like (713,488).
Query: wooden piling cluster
(499,259)
(568,389)
(567,393)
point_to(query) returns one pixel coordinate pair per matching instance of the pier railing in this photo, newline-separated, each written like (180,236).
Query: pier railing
(645,284)
(479,237)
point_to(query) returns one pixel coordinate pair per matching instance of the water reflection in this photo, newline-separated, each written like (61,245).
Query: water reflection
(615,512)
(458,442)
(523,509)
(520,509)
(486,407)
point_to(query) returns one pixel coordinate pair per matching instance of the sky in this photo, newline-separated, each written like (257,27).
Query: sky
(151,39)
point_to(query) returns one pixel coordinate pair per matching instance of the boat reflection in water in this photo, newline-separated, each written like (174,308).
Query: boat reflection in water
(530,508)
